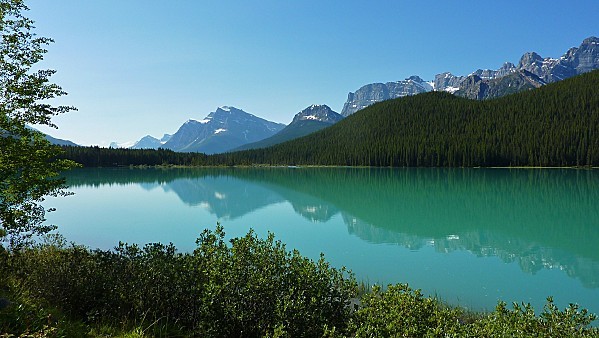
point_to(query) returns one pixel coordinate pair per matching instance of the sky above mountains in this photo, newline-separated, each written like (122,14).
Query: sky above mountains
(140,67)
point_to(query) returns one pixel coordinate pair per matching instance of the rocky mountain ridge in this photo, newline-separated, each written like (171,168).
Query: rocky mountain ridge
(532,71)
(376,92)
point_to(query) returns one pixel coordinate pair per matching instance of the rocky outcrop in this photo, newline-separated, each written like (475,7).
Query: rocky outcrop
(447,82)
(477,88)
(575,61)
(376,92)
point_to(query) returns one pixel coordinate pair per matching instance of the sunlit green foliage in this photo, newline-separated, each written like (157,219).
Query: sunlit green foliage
(521,321)
(247,286)
(400,311)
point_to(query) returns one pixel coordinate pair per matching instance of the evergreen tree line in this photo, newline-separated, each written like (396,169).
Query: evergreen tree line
(115,157)
(556,125)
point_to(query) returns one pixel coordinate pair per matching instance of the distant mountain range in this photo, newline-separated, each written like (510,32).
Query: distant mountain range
(531,72)
(548,126)
(232,129)
(309,120)
(146,142)
(60,142)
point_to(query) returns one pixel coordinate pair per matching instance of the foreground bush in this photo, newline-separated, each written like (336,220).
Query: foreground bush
(400,311)
(248,287)
(251,287)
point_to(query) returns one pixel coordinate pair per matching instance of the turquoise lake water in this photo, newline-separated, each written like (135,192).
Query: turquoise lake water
(469,236)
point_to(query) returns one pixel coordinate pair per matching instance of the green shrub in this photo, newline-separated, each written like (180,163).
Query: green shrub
(256,286)
(400,311)
(248,287)
(521,321)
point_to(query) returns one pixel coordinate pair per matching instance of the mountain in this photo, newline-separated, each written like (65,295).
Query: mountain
(121,145)
(55,141)
(222,130)
(309,120)
(575,61)
(317,112)
(478,88)
(531,72)
(549,126)
(60,142)
(447,82)
(150,142)
(377,92)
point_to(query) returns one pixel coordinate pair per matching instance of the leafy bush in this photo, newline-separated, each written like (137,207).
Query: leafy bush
(250,287)
(256,285)
(521,321)
(247,286)
(400,311)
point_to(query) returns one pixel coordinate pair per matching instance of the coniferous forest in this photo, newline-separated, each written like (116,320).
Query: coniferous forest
(556,125)
(114,157)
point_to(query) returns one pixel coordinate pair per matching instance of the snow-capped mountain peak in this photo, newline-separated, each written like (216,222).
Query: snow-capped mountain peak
(318,112)
(223,129)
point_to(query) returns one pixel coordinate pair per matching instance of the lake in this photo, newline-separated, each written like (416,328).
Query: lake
(468,236)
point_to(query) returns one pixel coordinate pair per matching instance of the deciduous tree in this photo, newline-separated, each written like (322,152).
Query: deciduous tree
(28,165)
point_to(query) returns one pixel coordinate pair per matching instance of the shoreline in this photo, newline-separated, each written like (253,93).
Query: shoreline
(174,166)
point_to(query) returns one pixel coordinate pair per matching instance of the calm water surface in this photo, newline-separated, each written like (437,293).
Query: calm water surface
(469,236)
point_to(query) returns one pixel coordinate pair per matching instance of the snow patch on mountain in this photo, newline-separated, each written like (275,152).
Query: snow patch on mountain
(451,89)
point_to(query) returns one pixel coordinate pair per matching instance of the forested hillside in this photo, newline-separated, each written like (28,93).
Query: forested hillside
(556,125)
(302,128)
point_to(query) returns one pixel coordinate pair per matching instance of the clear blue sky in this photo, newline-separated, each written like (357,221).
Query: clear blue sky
(137,67)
